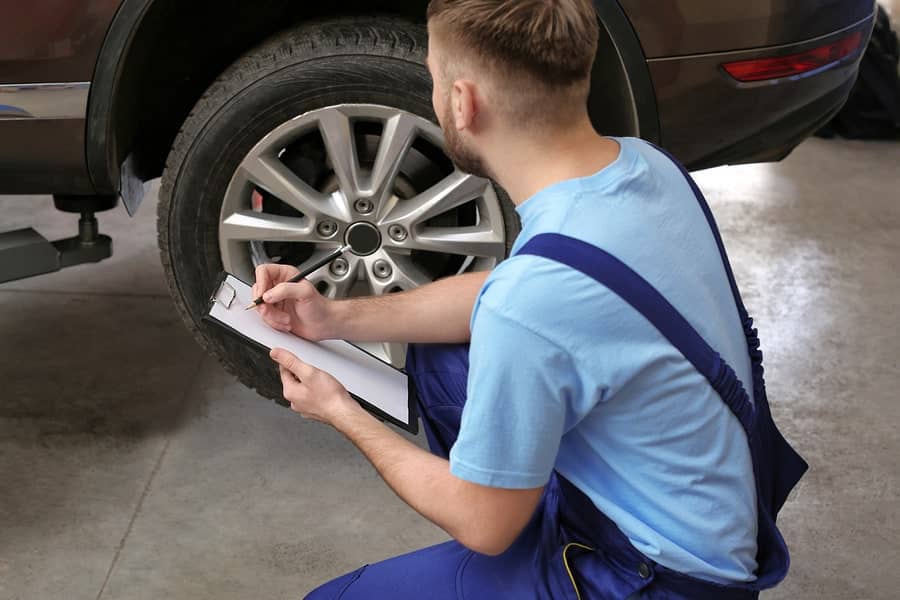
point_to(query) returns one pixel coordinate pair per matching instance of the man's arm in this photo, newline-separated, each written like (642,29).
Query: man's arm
(435,313)
(484,519)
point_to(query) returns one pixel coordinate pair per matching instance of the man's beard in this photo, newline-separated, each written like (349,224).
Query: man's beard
(464,158)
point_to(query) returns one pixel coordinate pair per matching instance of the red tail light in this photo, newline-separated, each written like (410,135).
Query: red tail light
(794,64)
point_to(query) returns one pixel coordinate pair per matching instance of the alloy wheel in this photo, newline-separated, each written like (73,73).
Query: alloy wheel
(370,176)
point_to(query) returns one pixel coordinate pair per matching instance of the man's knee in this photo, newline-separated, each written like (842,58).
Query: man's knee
(440,373)
(442,358)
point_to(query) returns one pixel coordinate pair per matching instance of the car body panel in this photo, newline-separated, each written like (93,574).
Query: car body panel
(679,97)
(702,116)
(51,41)
(48,50)
(47,157)
(684,27)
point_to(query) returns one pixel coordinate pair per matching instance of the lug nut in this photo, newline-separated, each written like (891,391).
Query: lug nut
(327,228)
(364,206)
(339,267)
(382,269)
(397,233)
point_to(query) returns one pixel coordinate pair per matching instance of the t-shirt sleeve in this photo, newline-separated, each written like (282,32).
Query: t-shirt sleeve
(515,412)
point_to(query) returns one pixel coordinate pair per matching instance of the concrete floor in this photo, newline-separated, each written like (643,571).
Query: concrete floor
(132,466)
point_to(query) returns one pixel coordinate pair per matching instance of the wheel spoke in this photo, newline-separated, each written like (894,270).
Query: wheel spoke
(337,288)
(341,288)
(396,139)
(463,241)
(276,178)
(454,190)
(337,133)
(407,275)
(247,226)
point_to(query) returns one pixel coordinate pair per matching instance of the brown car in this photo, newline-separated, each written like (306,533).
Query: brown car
(277,124)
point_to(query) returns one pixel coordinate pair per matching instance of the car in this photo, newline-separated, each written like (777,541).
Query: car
(277,126)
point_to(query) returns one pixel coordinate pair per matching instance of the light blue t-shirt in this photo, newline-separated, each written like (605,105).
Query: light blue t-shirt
(565,375)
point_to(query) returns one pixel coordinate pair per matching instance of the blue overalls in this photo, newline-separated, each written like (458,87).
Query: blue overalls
(570,549)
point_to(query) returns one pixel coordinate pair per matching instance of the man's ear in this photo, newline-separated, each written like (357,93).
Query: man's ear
(464,104)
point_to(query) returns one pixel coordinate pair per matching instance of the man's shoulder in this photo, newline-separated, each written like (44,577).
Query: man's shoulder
(542,295)
(523,280)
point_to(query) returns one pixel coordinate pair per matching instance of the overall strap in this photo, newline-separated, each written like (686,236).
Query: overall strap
(643,297)
(753,345)
(714,228)
(784,466)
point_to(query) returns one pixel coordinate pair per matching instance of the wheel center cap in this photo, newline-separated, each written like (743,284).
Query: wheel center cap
(363,238)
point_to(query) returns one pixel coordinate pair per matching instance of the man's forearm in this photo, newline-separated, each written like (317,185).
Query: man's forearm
(414,474)
(486,520)
(435,313)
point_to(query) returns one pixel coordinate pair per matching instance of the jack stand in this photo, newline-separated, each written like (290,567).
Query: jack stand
(25,252)
(88,246)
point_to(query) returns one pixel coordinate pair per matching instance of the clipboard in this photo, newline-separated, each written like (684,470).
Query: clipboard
(384,390)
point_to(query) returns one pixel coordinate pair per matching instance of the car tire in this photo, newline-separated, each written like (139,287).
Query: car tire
(376,61)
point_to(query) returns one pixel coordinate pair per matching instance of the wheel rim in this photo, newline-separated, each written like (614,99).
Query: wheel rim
(349,172)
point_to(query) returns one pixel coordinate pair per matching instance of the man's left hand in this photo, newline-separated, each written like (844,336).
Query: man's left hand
(313,393)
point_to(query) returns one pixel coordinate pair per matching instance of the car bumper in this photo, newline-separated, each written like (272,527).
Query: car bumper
(707,118)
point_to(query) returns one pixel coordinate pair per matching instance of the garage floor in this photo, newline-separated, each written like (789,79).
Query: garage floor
(132,466)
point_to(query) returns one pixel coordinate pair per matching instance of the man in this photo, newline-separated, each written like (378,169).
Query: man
(605,449)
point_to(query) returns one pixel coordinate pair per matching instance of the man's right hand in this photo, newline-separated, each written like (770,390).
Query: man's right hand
(437,313)
(296,308)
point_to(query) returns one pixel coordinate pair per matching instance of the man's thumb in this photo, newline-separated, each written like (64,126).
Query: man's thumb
(290,362)
(282,357)
(287,291)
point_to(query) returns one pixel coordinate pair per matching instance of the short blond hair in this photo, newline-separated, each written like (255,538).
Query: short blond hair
(539,51)
(554,41)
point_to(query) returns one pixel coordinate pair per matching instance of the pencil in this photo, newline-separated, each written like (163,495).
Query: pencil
(305,273)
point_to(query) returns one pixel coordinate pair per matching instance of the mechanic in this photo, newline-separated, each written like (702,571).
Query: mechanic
(595,406)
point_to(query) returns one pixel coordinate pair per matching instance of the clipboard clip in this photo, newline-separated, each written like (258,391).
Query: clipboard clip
(225,295)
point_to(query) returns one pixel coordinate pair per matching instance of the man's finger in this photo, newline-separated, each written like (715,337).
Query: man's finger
(262,280)
(275,317)
(289,291)
(298,393)
(290,362)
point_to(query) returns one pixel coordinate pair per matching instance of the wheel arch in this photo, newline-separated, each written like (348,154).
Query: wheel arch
(159,56)
(623,100)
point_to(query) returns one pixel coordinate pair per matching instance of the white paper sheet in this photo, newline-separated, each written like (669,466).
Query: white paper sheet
(364,375)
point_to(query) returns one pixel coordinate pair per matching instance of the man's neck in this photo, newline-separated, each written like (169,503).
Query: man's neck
(528,164)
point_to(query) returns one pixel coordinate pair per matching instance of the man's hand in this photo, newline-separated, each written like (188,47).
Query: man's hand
(313,393)
(296,308)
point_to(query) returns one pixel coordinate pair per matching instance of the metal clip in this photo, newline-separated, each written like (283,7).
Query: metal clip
(225,295)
